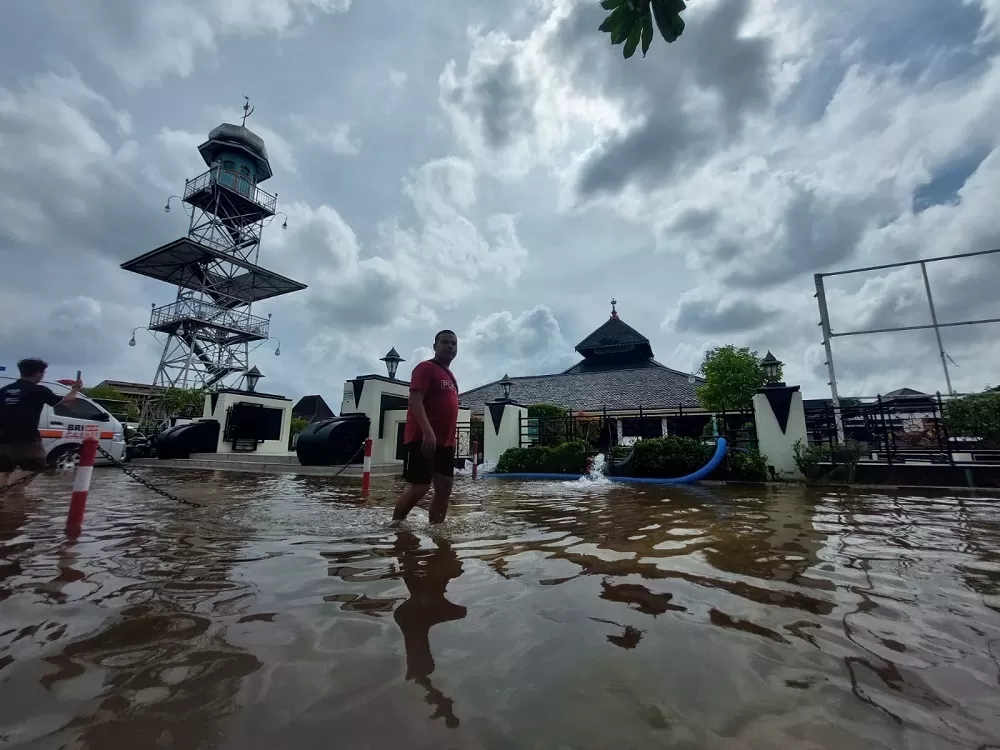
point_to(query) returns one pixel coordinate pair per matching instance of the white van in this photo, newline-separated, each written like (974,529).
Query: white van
(64,452)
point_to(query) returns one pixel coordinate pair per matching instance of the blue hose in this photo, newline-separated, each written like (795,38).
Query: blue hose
(696,476)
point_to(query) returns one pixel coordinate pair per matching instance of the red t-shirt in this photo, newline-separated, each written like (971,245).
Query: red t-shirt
(440,401)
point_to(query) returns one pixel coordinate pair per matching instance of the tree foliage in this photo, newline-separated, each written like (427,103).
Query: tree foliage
(116,402)
(181,402)
(631,22)
(732,377)
(976,416)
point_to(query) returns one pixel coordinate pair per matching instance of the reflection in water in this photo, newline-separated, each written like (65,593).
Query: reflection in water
(592,616)
(426,574)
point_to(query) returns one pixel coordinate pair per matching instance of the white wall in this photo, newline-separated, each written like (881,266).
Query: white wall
(384,450)
(225,400)
(776,445)
(509,434)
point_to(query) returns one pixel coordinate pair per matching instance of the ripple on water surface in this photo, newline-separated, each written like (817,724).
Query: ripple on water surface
(288,612)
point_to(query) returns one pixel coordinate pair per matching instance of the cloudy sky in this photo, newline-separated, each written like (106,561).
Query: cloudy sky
(493,166)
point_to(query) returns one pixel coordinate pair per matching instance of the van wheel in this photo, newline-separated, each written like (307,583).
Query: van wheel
(65,458)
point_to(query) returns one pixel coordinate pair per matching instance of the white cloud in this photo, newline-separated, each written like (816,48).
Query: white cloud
(171,37)
(336,138)
(408,275)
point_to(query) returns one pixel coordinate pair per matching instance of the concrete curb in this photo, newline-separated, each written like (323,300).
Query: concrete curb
(263,467)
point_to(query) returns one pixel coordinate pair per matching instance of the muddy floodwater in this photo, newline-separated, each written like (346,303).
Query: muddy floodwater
(289,613)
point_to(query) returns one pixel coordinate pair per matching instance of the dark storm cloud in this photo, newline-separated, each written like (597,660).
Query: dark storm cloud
(714,316)
(817,233)
(712,56)
(945,185)
(502,101)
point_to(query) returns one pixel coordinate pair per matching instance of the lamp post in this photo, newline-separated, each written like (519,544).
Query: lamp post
(252,376)
(284,224)
(152,306)
(392,360)
(506,384)
(772,369)
(166,207)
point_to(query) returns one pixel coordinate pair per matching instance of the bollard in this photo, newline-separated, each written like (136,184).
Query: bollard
(475,458)
(366,475)
(81,486)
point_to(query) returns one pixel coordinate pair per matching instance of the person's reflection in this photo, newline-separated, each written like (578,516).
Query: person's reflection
(426,573)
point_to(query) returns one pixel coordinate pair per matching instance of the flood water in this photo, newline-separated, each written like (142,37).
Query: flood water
(289,613)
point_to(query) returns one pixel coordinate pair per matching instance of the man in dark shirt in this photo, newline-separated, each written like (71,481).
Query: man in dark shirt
(429,437)
(21,404)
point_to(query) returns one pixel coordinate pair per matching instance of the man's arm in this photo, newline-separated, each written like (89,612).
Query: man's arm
(54,400)
(420,413)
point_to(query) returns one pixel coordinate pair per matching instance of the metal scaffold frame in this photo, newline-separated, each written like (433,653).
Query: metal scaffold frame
(210,325)
(829,335)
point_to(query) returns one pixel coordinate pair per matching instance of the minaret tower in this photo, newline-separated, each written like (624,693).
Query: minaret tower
(215,267)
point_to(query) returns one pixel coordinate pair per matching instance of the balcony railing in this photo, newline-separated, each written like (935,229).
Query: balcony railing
(238,183)
(205,312)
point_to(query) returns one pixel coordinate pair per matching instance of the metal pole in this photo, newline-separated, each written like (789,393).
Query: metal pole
(937,330)
(824,322)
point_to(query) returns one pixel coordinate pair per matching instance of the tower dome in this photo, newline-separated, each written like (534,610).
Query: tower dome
(238,144)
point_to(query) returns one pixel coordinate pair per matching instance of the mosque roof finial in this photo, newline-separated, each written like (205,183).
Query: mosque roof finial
(247,110)
(614,312)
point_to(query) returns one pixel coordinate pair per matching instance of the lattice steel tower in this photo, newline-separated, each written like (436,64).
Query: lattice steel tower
(209,325)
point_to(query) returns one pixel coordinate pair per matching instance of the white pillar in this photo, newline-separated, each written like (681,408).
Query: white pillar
(501,428)
(781,421)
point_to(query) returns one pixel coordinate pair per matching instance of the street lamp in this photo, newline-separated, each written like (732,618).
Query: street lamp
(284,224)
(252,376)
(166,208)
(772,368)
(506,384)
(152,306)
(392,360)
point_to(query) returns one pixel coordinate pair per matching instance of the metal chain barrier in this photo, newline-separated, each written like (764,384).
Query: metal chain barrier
(347,464)
(144,483)
(170,496)
(23,480)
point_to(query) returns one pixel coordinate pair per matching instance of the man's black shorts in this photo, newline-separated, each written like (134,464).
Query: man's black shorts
(420,470)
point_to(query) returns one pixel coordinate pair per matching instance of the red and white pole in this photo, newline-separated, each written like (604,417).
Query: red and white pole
(366,473)
(81,486)
(475,459)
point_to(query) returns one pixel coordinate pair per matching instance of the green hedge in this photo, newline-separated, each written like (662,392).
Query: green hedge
(746,467)
(667,457)
(568,458)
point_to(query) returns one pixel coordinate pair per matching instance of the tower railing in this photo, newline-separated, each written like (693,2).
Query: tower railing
(207,313)
(240,184)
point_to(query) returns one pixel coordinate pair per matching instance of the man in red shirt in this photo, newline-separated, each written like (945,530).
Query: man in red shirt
(429,438)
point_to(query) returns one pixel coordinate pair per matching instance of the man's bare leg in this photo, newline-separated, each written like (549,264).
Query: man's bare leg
(408,500)
(442,495)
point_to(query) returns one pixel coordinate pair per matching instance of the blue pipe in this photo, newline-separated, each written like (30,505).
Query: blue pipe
(696,476)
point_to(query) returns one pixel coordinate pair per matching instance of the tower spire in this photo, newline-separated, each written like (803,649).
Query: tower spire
(247,110)
(614,312)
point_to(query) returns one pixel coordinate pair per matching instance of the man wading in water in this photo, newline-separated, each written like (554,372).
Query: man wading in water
(429,438)
(21,405)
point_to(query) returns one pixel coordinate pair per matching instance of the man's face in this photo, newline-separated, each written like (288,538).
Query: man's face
(446,347)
